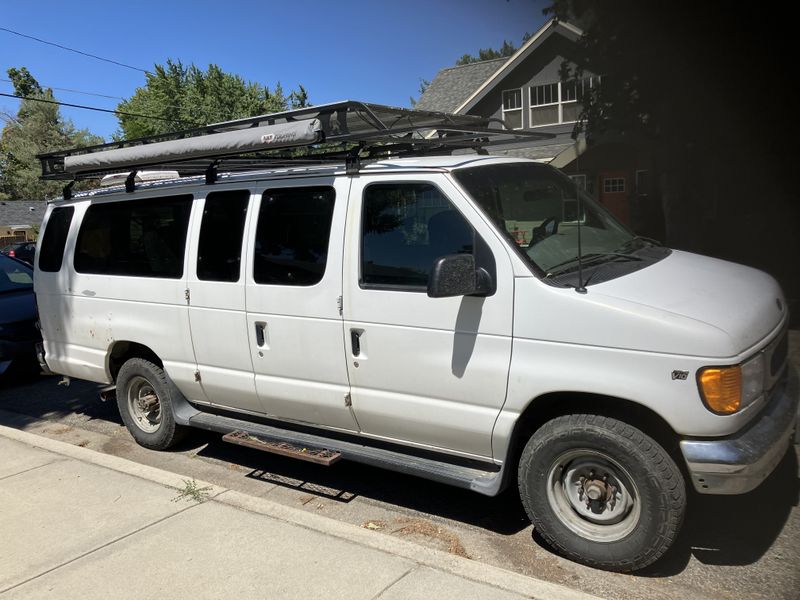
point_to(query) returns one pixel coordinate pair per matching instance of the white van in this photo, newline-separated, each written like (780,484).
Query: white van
(466,318)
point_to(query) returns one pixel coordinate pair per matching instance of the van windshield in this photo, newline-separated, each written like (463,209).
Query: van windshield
(537,208)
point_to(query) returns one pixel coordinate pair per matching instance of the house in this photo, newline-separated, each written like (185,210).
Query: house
(20,220)
(526,92)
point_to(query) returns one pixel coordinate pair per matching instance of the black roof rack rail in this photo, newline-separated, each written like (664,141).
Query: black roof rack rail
(342,133)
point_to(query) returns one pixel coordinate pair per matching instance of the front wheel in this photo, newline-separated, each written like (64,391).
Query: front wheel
(601,492)
(144,399)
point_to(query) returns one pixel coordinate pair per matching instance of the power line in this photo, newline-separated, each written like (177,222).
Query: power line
(105,110)
(60,89)
(108,60)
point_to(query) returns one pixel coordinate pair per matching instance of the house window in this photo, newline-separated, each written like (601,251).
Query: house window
(512,108)
(560,102)
(544,104)
(613,185)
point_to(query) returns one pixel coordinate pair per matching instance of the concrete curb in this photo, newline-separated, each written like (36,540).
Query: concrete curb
(436,559)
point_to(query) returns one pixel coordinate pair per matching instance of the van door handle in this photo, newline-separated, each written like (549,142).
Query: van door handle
(260,338)
(355,341)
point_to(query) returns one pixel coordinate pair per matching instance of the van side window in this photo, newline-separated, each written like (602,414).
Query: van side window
(219,254)
(55,238)
(405,227)
(294,226)
(141,238)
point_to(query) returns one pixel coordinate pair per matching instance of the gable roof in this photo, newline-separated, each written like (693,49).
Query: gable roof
(536,40)
(452,86)
(458,89)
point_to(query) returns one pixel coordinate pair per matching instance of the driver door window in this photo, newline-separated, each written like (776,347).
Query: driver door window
(405,228)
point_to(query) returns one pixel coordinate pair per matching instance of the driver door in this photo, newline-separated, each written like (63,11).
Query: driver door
(426,371)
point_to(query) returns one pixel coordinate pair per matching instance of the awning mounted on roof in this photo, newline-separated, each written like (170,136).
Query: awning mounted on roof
(343,132)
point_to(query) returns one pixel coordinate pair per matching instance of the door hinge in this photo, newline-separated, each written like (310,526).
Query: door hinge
(186,295)
(348,401)
(340,305)
(197,377)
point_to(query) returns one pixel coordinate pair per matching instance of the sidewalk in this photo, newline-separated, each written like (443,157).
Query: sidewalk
(75,523)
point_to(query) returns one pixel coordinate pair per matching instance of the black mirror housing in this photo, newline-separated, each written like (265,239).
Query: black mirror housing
(456,275)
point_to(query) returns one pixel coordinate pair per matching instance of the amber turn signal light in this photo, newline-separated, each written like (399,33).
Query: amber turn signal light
(721,388)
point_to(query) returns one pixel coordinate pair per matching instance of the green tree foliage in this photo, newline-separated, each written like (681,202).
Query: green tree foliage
(423,85)
(37,127)
(185,96)
(506,50)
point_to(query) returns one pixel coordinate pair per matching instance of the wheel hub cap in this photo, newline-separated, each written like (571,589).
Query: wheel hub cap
(593,495)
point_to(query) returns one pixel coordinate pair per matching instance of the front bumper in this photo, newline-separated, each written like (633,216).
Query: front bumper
(739,463)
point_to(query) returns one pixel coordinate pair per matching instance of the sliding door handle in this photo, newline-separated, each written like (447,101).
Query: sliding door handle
(260,337)
(355,341)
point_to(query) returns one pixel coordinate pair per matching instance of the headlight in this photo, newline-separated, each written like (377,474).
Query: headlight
(726,390)
(752,379)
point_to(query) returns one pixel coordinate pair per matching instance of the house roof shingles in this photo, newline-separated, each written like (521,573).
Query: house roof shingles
(452,86)
(18,212)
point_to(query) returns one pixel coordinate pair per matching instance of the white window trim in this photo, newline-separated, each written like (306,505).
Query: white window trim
(608,179)
(504,110)
(560,104)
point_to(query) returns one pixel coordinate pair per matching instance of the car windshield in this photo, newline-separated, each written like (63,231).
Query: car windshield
(14,276)
(537,207)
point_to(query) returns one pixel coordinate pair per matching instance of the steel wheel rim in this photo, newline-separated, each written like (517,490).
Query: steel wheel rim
(144,405)
(576,475)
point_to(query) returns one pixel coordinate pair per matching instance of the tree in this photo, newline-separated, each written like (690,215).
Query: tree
(37,127)
(182,96)
(506,50)
(423,85)
(708,89)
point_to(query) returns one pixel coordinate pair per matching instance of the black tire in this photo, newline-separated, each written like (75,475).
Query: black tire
(562,465)
(154,427)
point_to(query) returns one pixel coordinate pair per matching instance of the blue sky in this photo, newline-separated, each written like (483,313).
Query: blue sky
(340,49)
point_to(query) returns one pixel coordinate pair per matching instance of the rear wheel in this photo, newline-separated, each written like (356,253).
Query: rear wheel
(144,399)
(601,492)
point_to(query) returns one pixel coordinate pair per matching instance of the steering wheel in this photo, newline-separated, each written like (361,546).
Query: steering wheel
(547,228)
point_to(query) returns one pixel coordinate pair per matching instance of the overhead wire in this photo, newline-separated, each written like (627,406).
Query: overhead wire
(81,52)
(60,89)
(95,108)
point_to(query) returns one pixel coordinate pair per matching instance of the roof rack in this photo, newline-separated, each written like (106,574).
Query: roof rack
(342,132)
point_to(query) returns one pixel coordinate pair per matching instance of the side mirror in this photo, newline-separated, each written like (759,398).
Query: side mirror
(456,275)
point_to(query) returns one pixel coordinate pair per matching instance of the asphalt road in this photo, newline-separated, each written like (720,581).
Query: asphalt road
(730,547)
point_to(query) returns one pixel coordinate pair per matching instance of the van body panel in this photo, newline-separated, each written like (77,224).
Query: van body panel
(742,303)
(429,370)
(219,329)
(300,371)
(87,313)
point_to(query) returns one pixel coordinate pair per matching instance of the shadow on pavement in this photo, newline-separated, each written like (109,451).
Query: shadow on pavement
(42,397)
(734,530)
(345,480)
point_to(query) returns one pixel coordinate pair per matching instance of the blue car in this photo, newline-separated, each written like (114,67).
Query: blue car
(18,332)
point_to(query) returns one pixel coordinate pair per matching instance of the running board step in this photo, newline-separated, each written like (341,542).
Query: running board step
(320,456)
(486,480)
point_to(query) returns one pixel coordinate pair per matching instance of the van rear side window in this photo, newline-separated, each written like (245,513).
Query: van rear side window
(55,238)
(219,255)
(140,238)
(294,226)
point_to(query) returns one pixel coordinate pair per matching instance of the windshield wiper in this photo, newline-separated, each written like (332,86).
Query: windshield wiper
(592,257)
